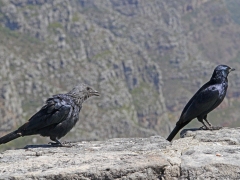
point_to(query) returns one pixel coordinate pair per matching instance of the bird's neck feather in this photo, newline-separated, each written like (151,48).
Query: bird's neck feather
(219,79)
(77,100)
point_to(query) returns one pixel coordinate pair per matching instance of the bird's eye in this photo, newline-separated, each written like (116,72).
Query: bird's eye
(88,88)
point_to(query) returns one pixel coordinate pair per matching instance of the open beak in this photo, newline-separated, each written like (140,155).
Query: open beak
(95,93)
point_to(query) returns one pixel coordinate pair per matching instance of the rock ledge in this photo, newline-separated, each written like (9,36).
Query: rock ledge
(199,155)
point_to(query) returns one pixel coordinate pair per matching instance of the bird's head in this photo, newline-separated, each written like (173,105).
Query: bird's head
(82,92)
(222,71)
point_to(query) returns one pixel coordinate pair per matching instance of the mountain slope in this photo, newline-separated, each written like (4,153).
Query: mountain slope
(146,58)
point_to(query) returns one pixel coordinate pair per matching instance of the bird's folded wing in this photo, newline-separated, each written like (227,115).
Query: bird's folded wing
(202,102)
(54,112)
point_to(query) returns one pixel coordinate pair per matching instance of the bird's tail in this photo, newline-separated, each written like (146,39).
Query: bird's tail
(173,133)
(176,129)
(9,137)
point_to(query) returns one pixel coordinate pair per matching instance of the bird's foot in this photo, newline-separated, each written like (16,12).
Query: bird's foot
(64,144)
(67,144)
(204,128)
(55,144)
(215,127)
(210,128)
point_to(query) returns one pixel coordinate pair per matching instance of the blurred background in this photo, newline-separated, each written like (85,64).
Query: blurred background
(146,58)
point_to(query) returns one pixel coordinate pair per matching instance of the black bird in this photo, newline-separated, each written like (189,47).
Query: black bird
(57,117)
(207,98)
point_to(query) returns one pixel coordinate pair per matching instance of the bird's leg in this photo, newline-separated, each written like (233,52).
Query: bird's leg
(205,118)
(204,127)
(211,126)
(208,122)
(57,142)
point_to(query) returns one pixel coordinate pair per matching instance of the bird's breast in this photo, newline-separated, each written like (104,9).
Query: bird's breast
(222,89)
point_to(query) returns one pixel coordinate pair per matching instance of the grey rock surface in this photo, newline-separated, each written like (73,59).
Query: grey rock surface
(216,154)
(130,158)
(230,136)
(115,158)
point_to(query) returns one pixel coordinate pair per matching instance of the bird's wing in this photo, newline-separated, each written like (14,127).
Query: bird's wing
(202,102)
(55,111)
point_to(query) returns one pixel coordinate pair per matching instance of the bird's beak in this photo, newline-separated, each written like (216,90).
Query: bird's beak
(95,93)
(232,69)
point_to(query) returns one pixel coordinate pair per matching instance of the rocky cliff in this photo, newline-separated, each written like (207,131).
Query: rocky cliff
(146,58)
(199,155)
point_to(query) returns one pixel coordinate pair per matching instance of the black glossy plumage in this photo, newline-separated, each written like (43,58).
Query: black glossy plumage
(57,117)
(207,98)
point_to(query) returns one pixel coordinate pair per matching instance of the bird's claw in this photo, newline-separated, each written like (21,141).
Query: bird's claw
(204,128)
(210,128)
(66,144)
(216,127)
(55,144)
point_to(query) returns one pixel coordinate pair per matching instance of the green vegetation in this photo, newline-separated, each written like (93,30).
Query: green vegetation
(16,41)
(237,58)
(234,7)
(141,95)
(75,18)
(9,33)
(101,55)
(1,3)
(15,35)
(54,25)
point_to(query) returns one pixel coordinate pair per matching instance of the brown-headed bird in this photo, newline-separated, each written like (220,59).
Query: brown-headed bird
(57,117)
